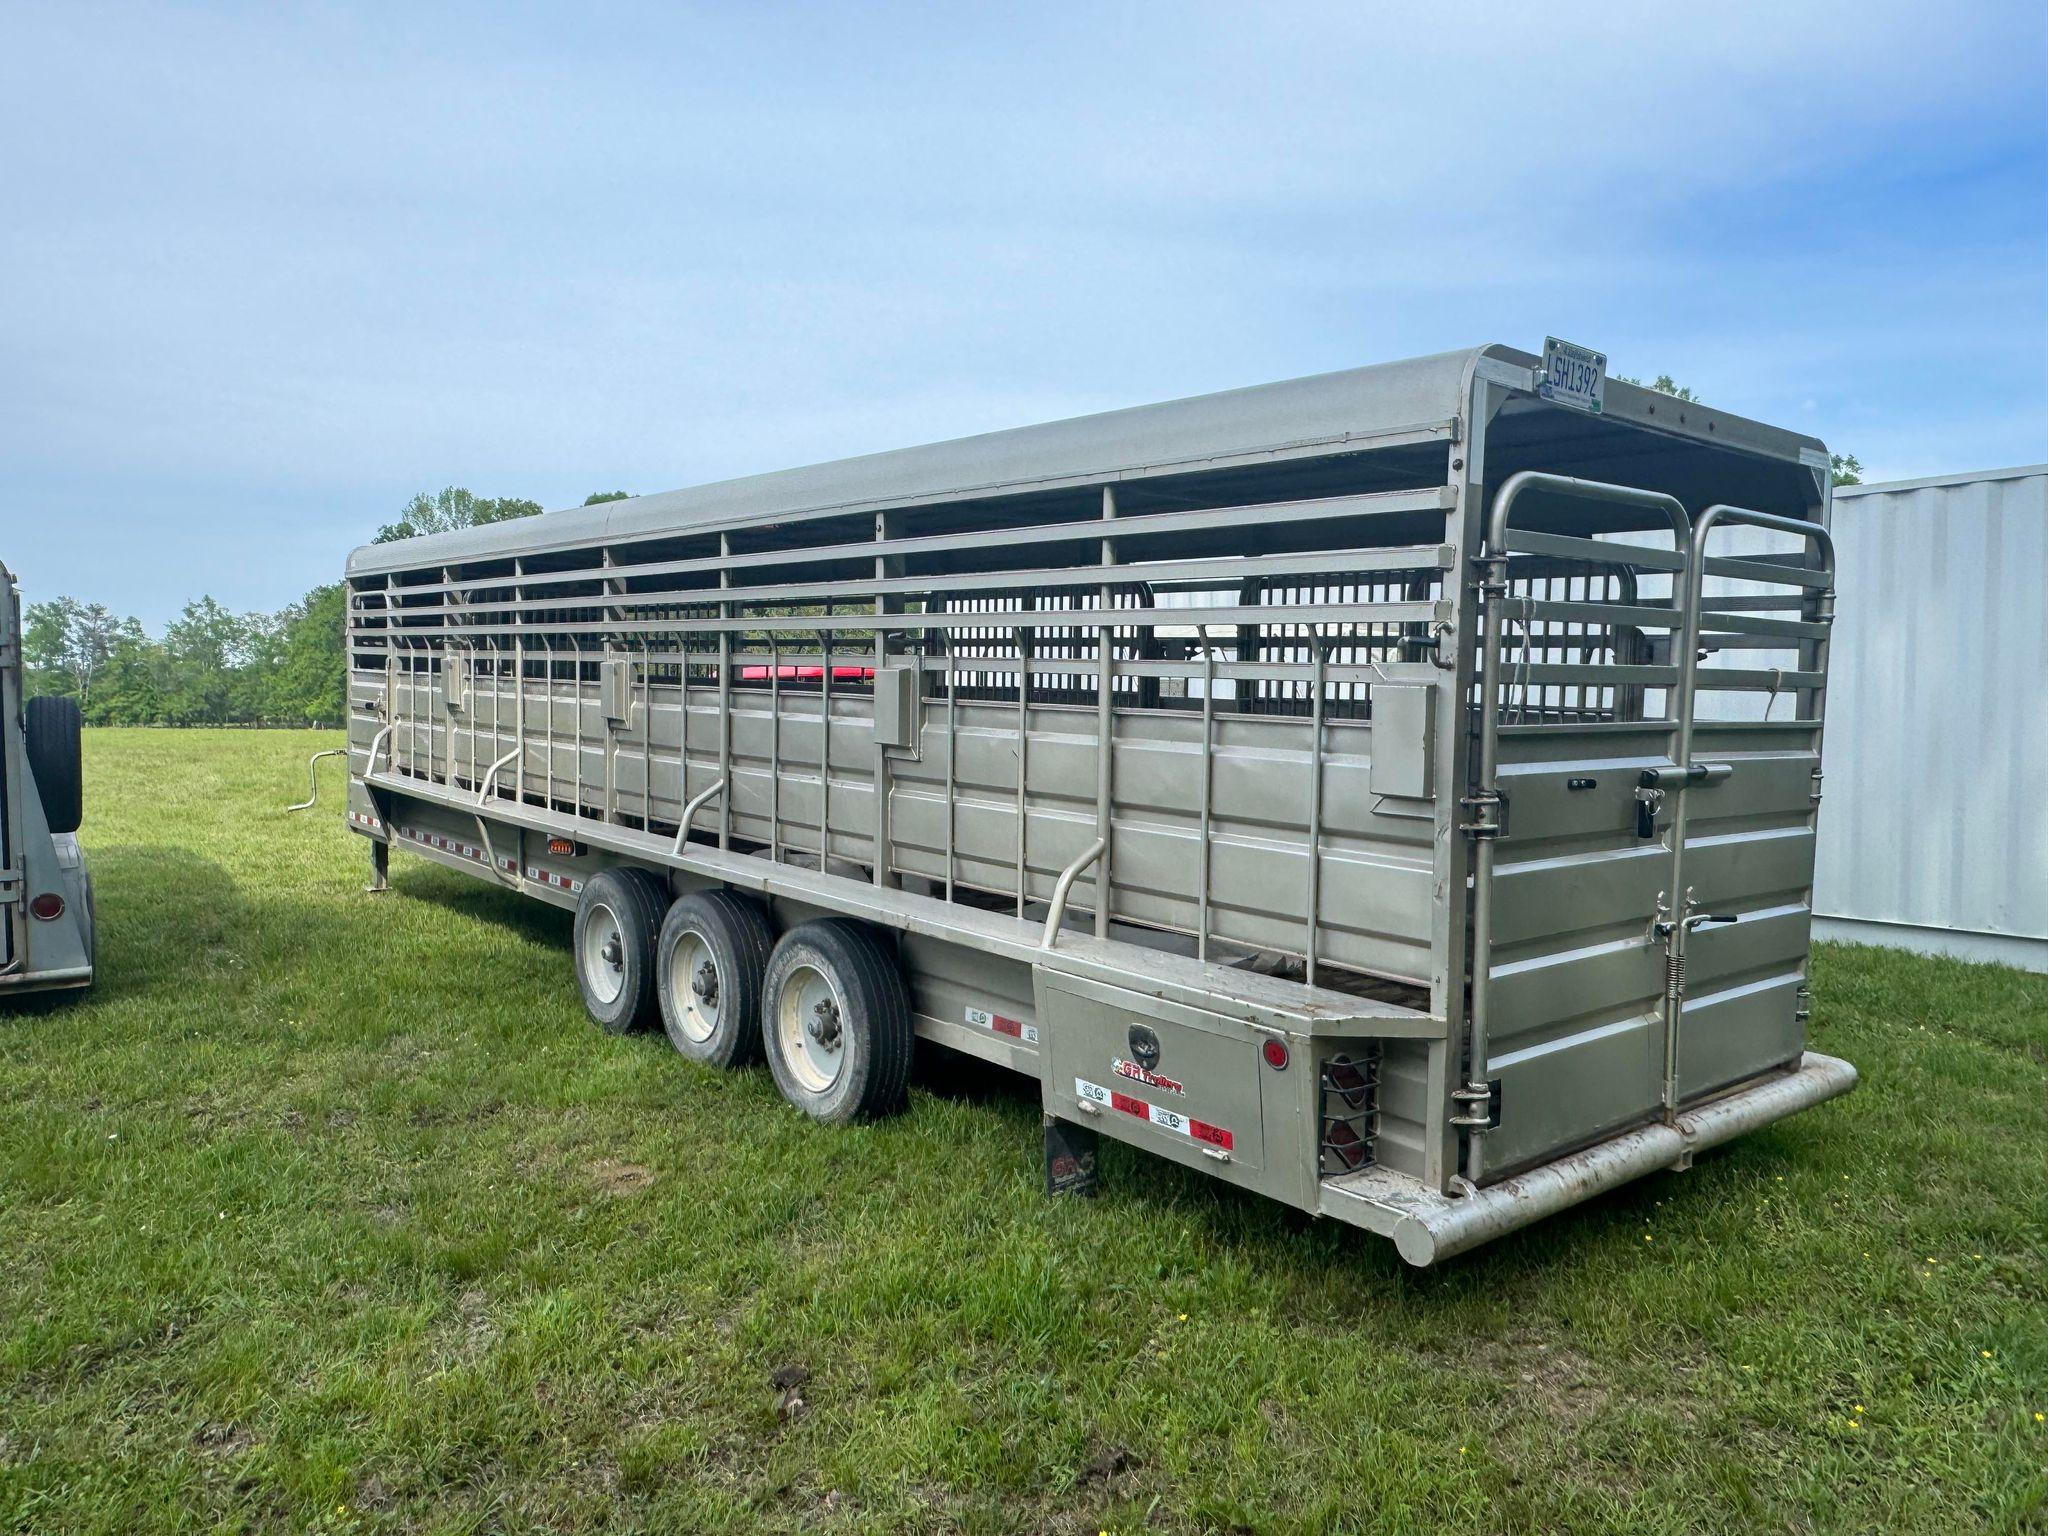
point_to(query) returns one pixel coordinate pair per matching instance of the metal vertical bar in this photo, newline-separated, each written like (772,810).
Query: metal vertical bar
(774,747)
(548,696)
(576,718)
(609,756)
(952,752)
(1025,636)
(885,523)
(1105,725)
(725,800)
(825,747)
(519,672)
(646,741)
(683,728)
(1208,788)
(1315,801)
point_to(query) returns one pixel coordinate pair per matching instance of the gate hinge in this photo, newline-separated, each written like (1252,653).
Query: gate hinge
(1492,574)
(1479,1106)
(1489,810)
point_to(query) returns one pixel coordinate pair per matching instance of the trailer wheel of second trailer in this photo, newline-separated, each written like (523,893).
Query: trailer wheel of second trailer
(835,1022)
(618,918)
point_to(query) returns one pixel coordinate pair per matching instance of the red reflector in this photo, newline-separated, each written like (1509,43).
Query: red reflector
(49,906)
(1275,1052)
(560,845)
(1130,1106)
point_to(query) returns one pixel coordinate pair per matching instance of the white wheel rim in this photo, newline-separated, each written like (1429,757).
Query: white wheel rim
(810,1027)
(696,986)
(603,939)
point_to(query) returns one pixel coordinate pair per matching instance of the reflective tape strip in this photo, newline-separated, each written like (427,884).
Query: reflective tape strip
(464,850)
(1165,1119)
(364,819)
(1016,1029)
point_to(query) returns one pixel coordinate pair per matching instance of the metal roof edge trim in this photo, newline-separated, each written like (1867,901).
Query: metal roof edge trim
(1930,482)
(949,465)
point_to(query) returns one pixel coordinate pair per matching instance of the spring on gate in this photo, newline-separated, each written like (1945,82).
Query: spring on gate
(1350,1112)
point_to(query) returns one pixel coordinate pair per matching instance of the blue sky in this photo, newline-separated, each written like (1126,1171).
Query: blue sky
(266,271)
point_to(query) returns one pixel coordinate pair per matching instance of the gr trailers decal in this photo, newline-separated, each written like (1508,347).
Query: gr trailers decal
(1146,1075)
(1016,1029)
(1165,1119)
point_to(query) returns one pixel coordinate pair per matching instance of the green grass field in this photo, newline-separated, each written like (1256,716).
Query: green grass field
(330,1212)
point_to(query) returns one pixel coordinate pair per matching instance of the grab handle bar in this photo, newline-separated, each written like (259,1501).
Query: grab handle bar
(483,792)
(690,811)
(1068,875)
(313,778)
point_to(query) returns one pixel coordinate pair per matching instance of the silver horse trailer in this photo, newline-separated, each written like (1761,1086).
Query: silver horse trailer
(46,916)
(1323,785)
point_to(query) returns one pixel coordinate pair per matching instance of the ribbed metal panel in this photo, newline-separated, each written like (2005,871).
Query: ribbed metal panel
(1936,824)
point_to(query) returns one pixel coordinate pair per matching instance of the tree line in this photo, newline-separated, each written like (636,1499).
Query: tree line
(213,666)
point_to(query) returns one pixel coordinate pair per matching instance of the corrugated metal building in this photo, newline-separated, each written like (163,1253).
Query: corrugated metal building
(1934,831)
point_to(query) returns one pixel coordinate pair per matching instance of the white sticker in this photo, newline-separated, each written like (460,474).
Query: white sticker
(996,1023)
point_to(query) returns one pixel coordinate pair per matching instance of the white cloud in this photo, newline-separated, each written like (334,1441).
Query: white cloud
(318,258)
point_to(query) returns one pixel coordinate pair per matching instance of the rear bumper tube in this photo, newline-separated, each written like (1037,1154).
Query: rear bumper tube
(1427,1227)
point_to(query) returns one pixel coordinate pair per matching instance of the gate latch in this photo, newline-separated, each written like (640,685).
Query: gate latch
(1648,798)
(1652,782)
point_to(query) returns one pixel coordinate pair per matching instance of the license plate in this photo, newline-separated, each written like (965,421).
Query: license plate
(1574,376)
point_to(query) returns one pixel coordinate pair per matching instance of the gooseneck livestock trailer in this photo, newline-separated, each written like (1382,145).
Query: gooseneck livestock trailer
(46,913)
(1373,790)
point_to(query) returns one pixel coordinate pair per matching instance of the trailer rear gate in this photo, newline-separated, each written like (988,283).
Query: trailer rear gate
(1315,784)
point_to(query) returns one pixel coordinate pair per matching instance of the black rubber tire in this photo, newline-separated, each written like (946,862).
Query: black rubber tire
(875,1027)
(740,938)
(637,900)
(51,738)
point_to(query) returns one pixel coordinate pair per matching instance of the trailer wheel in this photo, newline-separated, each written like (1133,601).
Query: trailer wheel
(835,1022)
(50,735)
(708,968)
(617,920)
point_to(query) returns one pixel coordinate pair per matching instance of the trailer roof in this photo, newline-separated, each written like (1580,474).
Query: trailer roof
(1384,400)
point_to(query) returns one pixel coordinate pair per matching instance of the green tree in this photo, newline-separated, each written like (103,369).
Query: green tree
(65,644)
(454,508)
(205,646)
(1664,384)
(131,687)
(46,644)
(598,498)
(308,685)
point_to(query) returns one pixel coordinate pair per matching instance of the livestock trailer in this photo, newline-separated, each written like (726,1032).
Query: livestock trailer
(46,913)
(1315,785)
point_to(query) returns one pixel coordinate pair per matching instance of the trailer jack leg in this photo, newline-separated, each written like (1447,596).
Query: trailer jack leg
(1069,1158)
(380,869)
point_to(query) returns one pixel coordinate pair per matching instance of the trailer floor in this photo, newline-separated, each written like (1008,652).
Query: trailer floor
(331,1212)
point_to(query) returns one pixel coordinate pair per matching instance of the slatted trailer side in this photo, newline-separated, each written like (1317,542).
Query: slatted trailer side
(1264,773)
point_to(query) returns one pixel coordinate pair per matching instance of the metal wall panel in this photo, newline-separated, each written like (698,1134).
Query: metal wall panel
(1937,736)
